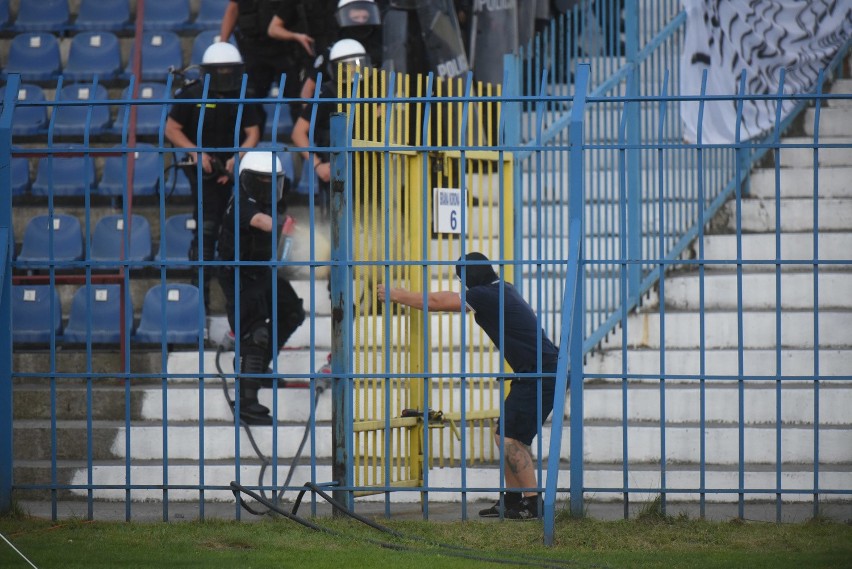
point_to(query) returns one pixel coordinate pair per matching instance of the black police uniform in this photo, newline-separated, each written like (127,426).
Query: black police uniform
(312,17)
(218,131)
(256,306)
(265,58)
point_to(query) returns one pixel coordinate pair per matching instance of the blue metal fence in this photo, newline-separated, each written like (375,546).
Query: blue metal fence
(609,197)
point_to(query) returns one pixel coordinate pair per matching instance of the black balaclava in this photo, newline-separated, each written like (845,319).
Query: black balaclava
(476,275)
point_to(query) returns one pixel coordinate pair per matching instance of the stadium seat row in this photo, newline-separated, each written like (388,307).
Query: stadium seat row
(110,15)
(96,314)
(36,56)
(65,241)
(74,176)
(31,114)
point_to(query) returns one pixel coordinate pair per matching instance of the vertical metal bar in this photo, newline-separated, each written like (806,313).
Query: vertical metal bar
(661,223)
(702,357)
(817,109)
(741,162)
(341,308)
(634,225)
(7,244)
(778,418)
(572,328)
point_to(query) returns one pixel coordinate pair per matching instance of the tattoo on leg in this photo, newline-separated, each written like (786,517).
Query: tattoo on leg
(518,457)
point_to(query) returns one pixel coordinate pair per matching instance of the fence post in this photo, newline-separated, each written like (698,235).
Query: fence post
(573,326)
(7,243)
(511,125)
(341,311)
(634,157)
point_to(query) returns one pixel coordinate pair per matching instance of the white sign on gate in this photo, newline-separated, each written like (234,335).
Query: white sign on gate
(446,210)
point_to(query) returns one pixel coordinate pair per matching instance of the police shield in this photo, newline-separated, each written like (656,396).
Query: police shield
(439,27)
(495,33)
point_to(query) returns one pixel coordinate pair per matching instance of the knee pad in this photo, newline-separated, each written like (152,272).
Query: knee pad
(255,349)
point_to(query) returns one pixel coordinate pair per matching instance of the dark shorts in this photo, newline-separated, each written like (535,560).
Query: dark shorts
(521,408)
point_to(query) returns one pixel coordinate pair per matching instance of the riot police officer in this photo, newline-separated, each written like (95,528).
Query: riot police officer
(224,65)
(266,58)
(261,188)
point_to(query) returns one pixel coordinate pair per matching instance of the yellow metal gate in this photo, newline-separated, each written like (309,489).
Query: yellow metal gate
(394,241)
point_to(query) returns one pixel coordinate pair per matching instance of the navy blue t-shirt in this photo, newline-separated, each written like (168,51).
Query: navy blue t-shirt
(519,326)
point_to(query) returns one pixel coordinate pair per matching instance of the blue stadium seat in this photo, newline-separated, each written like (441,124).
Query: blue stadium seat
(177,184)
(175,237)
(4,13)
(103,15)
(182,315)
(148,117)
(146,173)
(160,51)
(28,120)
(72,175)
(20,176)
(172,15)
(33,321)
(42,16)
(35,56)
(67,239)
(108,239)
(91,54)
(103,302)
(210,13)
(72,120)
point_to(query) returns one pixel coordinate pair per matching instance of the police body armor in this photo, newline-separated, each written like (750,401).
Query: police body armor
(494,33)
(254,17)
(424,35)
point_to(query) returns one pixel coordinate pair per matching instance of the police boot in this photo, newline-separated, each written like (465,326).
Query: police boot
(251,411)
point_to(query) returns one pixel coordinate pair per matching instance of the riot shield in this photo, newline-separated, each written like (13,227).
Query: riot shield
(439,27)
(526,21)
(395,41)
(495,33)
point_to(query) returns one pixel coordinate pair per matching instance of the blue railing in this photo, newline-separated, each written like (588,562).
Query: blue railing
(612,196)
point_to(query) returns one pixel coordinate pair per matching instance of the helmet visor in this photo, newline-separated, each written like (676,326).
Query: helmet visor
(225,77)
(358,14)
(259,186)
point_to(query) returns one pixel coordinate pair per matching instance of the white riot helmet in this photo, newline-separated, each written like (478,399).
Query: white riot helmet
(354,13)
(223,62)
(349,52)
(256,174)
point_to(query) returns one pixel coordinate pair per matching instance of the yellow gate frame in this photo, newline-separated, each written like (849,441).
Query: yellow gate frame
(393,236)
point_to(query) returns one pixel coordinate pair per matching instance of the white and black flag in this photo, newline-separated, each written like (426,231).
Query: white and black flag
(729,37)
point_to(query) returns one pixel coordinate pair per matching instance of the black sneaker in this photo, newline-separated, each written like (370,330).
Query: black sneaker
(526,510)
(510,500)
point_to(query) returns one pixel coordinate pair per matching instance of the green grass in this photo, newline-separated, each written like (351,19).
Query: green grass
(653,541)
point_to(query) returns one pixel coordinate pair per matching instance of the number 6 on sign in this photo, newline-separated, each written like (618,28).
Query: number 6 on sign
(446,210)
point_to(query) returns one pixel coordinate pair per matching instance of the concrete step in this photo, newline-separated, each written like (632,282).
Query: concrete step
(805,157)
(794,246)
(758,291)
(103,361)
(682,330)
(794,363)
(602,402)
(835,120)
(220,474)
(603,442)
(797,214)
(833,182)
